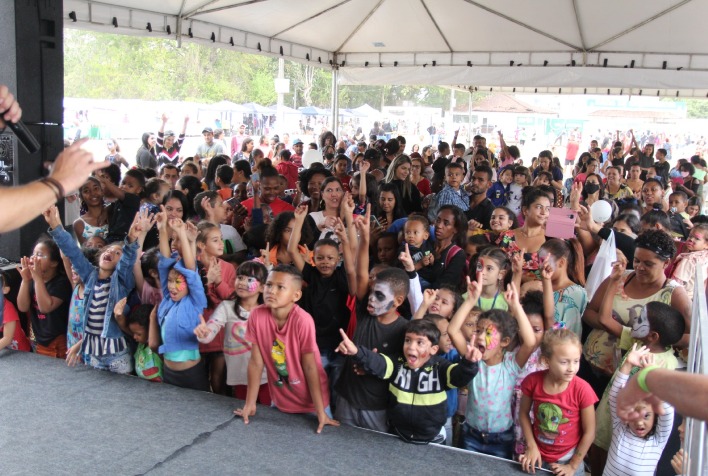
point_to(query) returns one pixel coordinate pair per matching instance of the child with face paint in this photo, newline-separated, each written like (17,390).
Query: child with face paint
(647,436)
(489,424)
(180,311)
(564,295)
(684,272)
(563,408)
(655,326)
(420,373)
(232,316)
(532,302)
(328,286)
(362,399)
(220,278)
(494,268)
(282,337)
(103,345)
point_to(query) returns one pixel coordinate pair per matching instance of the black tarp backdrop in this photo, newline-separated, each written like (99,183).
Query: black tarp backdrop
(32,53)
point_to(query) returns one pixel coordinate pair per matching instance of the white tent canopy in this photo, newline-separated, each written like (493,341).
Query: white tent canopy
(627,47)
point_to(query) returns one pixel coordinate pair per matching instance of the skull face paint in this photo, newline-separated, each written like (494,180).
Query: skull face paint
(640,325)
(491,337)
(381,299)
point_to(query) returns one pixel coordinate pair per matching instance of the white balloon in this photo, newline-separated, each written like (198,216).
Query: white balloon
(310,157)
(601,211)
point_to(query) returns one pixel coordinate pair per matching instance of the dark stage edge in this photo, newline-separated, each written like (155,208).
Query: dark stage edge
(57,420)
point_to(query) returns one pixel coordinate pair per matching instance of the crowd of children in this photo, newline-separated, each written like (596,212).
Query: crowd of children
(458,318)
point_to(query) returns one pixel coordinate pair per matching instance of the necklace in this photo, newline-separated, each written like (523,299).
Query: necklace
(526,233)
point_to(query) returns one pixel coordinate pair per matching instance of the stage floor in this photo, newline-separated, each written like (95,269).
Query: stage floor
(67,421)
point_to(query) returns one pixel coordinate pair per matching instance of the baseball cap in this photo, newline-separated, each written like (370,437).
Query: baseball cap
(169,133)
(207,129)
(297,141)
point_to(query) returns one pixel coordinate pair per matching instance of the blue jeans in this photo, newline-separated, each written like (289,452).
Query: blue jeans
(495,444)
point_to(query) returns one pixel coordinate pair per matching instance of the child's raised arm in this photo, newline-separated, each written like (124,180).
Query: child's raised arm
(429,296)
(363,169)
(300,215)
(112,188)
(415,294)
(162,231)
(549,304)
(517,268)
(454,330)
(349,265)
(363,227)
(154,338)
(347,215)
(528,341)
(187,251)
(118,312)
(605,315)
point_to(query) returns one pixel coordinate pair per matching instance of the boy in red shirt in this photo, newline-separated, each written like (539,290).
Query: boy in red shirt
(283,337)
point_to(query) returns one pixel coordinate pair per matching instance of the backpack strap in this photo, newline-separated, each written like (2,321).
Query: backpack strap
(454,249)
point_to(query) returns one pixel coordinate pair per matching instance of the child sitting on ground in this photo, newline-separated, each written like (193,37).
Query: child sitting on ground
(637,446)
(418,372)
(283,341)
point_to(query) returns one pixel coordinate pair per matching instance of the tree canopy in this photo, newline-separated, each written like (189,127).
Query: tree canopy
(107,66)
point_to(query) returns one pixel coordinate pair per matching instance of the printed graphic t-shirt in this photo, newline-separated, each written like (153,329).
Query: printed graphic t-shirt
(557,426)
(282,350)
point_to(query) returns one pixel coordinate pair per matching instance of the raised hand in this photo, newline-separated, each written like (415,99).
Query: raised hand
(576,192)
(202,330)
(363,226)
(119,308)
(164,118)
(639,357)
(406,259)
(300,213)
(207,206)
(347,206)
(474,289)
(265,256)
(517,262)
(341,231)
(346,347)
(161,219)
(51,215)
(177,225)
(473,354)
(546,268)
(363,168)
(618,269)
(511,295)
(25,269)
(191,232)
(429,296)
(214,272)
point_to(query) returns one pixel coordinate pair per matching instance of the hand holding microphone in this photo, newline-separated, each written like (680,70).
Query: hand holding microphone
(11,117)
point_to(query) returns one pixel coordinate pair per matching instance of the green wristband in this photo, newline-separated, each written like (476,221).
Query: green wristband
(642,377)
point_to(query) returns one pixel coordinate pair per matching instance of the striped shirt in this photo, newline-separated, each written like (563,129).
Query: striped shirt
(630,454)
(94,344)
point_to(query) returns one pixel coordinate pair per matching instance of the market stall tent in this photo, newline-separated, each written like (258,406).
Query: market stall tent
(566,46)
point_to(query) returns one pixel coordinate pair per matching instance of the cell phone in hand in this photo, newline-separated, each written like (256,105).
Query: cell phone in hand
(561,223)
(290,191)
(375,221)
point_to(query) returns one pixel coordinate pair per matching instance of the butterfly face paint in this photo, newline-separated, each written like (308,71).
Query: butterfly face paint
(381,299)
(640,325)
(176,285)
(248,283)
(491,337)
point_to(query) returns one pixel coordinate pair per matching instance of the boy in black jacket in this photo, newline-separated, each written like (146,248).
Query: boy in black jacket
(418,380)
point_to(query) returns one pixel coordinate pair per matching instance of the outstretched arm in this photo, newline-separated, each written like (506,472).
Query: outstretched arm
(363,227)
(454,330)
(300,215)
(528,341)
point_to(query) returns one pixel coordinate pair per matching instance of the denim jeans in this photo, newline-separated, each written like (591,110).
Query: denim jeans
(495,444)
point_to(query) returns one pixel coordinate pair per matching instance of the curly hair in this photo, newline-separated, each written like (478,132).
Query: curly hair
(658,242)
(276,228)
(505,322)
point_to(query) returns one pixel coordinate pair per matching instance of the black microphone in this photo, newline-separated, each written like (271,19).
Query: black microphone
(25,137)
